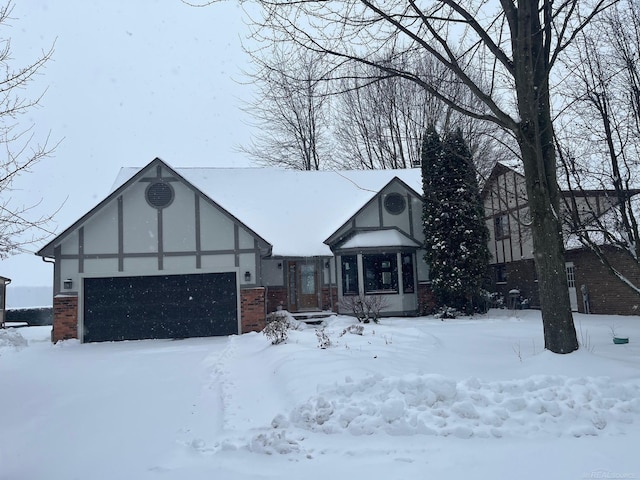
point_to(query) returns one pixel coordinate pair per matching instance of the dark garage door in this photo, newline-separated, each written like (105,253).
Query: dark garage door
(160,306)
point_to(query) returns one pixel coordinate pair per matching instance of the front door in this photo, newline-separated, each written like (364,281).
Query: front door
(303,285)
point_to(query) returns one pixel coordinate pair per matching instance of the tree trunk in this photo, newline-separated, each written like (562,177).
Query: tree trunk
(535,138)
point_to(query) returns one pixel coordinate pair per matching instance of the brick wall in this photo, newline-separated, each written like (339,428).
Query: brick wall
(252,309)
(607,294)
(65,318)
(329,303)
(426,299)
(276,296)
(521,275)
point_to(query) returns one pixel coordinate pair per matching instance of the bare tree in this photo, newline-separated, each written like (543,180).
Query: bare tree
(502,54)
(289,110)
(601,138)
(380,120)
(19,226)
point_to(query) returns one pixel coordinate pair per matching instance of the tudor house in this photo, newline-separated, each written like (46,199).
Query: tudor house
(592,289)
(173,253)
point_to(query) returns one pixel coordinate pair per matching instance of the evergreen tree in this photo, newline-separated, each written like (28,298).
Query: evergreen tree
(456,234)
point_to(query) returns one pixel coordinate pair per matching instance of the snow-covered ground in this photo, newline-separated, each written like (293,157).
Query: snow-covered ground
(410,398)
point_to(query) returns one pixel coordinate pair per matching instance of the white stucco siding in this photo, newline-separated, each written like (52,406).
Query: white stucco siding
(101,231)
(216,229)
(181,263)
(100,266)
(422,267)
(247,263)
(245,239)
(179,221)
(140,221)
(416,212)
(218,262)
(69,245)
(68,270)
(369,216)
(401,220)
(272,274)
(141,265)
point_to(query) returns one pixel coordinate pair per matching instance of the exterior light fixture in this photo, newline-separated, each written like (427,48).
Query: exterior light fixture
(67,284)
(247,276)
(279,265)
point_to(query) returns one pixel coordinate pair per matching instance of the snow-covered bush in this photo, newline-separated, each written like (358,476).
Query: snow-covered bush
(447,313)
(324,341)
(366,308)
(278,325)
(11,338)
(353,329)
(496,300)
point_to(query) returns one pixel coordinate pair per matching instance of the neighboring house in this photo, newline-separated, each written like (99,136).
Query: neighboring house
(4,281)
(511,247)
(208,251)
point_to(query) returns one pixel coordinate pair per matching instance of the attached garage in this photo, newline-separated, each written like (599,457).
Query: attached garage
(159,306)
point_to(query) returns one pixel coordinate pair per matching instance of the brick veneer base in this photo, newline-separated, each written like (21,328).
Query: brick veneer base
(276,297)
(330,298)
(252,309)
(65,318)
(426,299)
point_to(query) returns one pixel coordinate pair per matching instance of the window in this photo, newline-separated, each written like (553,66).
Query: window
(395,203)
(349,275)
(502,226)
(571,275)
(380,273)
(408,284)
(501,273)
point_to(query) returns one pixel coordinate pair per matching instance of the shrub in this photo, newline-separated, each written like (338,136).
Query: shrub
(447,313)
(278,325)
(365,308)
(277,330)
(323,339)
(353,329)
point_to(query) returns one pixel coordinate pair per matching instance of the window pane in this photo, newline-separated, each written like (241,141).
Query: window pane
(349,274)
(407,273)
(308,278)
(501,273)
(380,273)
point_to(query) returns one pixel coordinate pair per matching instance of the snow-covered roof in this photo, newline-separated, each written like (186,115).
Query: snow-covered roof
(295,211)
(379,238)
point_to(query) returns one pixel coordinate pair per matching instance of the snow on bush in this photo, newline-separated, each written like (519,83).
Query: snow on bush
(274,442)
(447,313)
(324,341)
(278,325)
(11,338)
(436,405)
(353,330)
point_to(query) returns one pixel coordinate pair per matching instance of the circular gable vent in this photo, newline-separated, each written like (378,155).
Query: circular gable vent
(159,194)
(395,203)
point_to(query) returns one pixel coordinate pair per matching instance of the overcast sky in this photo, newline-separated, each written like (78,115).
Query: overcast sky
(129,81)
